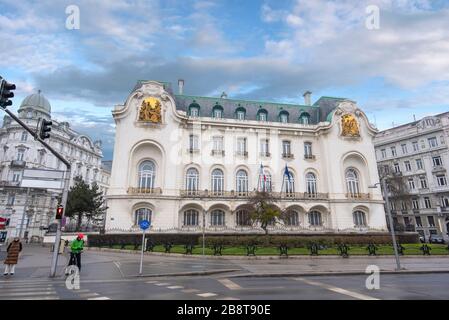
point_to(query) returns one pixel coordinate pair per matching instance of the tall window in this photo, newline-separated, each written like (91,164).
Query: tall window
(415,204)
(192,179)
(423,182)
(352,182)
(415,146)
(384,153)
(307,150)
(311,183)
(147,174)
(241,146)
(194,111)
(264,147)
(217,181)
(359,218)
(292,218)
(408,166)
(240,114)
(411,184)
(217,218)
(419,165)
(243,218)
(393,151)
(437,161)
(286,148)
(218,143)
(265,183)
(193,142)
(315,218)
(16,176)
(241,181)
(289,184)
(24,136)
(433,142)
(441,179)
(427,203)
(142,214)
(20,154)
(304,118)
(191,218)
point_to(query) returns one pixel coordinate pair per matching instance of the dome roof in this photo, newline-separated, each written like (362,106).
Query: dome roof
(36,101)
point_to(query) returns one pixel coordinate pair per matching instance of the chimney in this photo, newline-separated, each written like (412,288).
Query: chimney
(224,95)
(307,98)
(181,86)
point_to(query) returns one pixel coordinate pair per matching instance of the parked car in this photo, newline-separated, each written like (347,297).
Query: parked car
(434,238)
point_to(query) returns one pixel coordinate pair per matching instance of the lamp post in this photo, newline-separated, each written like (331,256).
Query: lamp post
(390,219)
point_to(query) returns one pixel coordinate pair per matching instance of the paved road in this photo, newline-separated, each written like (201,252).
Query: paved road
(107,275)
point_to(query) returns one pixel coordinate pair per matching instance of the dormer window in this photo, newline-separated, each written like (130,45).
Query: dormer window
(217,112)
(194,110)
(304,118)
(240,113)
(262,115)
(283,116)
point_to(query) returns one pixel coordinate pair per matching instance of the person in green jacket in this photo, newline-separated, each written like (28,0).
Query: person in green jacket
(76,247)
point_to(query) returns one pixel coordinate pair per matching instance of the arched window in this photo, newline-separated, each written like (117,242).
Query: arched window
(289,184)
(191,218)
(311,184)
(292,218)
(262,115)
(243,218)
(217,218)
(240,113)
(241,181)
(283,116)
(304,118)
(359,218)
(217,182)
(194,110)
(352,182)
(217,112)
(192,179)
(142,214)
(315,218)
(265,183)
(147,174)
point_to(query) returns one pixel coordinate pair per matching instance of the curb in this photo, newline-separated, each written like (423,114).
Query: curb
(346,273)
(182,274)
(262,257)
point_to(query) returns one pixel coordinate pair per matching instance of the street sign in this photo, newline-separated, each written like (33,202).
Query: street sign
(144,224)
(45,179)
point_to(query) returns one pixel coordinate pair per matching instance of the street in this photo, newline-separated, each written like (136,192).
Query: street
(112,275)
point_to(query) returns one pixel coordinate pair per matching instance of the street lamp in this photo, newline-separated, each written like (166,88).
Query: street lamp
(390,219)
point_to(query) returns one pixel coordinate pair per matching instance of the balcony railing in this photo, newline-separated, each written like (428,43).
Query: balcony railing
(241,153)
(248,194)
(287,156)
(18,163)
(144,191)
(309,156)
(193,150)
(265,154)
(362,196)
(218,152)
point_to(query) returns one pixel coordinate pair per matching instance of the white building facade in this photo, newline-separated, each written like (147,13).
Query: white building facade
(418,151)
(181,161)
(30,210)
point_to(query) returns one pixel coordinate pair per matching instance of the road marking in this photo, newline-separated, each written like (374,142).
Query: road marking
(229,298)
(87,295)
(117,264)
(81,290)
(26,289)
(38,293)
(39,298)
(207,294)
(162,284)
(229,284)
(100,298)
(337,289)
(190,290)
(152,282)
(175,287)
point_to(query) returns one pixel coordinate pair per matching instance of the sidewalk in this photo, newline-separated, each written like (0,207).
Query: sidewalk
(114,264)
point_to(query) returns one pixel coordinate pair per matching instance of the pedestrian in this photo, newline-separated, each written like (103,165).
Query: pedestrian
(13,250)
(76,248)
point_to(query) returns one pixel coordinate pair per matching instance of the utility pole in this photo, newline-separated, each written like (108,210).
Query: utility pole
(5,94)
(25,208)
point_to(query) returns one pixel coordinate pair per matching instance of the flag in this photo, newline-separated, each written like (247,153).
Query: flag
(262,174)
(287,173)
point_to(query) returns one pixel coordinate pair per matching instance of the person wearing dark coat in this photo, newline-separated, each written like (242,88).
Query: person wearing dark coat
(14,248)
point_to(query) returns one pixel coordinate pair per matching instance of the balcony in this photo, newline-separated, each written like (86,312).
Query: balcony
(18,163)
(218,153)
(193,150)
(438,169)
(138,191)
(288,156)
(361,196)
(247,194)
(309,156)
(241,153)
(439,189)
(9,183)
(265,154)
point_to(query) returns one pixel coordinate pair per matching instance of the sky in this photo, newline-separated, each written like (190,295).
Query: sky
(395,67)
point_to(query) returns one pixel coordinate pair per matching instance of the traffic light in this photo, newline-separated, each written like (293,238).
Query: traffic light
(59,212)
(45,128)
(5,93)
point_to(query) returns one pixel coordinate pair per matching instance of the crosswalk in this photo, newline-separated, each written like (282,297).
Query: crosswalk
(44,290)
(28,291)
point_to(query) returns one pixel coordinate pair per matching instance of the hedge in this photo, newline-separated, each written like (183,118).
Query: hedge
(291,240)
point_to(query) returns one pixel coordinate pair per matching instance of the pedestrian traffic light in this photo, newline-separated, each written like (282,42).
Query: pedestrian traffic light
(59,212)
(45,128)
(5,93)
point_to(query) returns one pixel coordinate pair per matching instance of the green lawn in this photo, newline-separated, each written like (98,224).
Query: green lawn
(410,249)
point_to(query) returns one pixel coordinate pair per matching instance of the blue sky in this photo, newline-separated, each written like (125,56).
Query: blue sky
(262,50)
